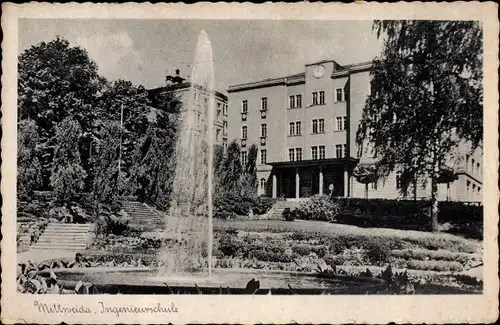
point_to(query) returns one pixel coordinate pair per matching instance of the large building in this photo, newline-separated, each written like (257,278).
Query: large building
(304,126)
(181,88)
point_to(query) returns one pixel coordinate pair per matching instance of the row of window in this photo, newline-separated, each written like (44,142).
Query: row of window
(263,131)
(475,194)
(317,152)
(317,125)
(295,101)
(472,166)
(244,157)
(224,109)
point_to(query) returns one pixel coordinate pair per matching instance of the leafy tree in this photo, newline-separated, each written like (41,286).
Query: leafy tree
(249,176)
(106,177)
(153,166)
(56,81)
(124,97)
(365,174)
(68,175)
(230,170)
(28,164)
(426,98)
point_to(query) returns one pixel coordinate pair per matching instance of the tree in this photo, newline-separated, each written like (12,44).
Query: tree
(28,163)
(249,176)
(230,170)
(153,163)
(105,181)
(426,98)
(56,80)
(68,175)
(365,174)
(123,97)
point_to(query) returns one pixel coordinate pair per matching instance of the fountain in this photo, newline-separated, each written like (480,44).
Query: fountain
(188,267)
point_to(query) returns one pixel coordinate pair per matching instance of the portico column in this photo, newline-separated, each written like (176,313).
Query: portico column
(297,183)
(346,182)
(275,186)
(320,180)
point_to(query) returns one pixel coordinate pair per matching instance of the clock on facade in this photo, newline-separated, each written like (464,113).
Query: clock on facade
(318,71)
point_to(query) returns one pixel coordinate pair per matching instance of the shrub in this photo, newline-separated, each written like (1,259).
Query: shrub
(289,215)
(465,219)
(302,250)
(271,256)
(398,214)
(378,252)
(262,204)
(228,205)
(110,224)
(318,207)
(230,246)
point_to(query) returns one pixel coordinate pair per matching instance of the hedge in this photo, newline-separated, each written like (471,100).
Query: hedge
(399,214)
(465,219)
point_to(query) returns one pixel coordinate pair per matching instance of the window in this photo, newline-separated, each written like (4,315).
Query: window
(468,190)
(292,102)
(479,192)
(262,184)
(339,95)
(322,98)
(298,154)
(263,156)
(315,98)
(473,165)
(478,169)
(321,126)
(224,146)
(314,153)
(244,132)
(338,151)
(344,153)
(321,152)
(374,185)
(315,126)
(341,123)
(467,162)
(398,180)
(263,103)
(224,110)
(224,127)
(292,128)
(217,135)
(291,154)
(473,190)
(263,130)
(298,126)
(298,101)
(244,158)
(244,107)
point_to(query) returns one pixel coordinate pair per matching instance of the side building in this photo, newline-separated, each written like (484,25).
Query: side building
(305,126)
(180,87)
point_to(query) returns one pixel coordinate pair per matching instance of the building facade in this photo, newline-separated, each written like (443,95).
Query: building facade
(305,125)
(182,89)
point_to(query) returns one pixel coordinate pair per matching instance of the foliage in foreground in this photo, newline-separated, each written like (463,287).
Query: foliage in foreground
(425,101)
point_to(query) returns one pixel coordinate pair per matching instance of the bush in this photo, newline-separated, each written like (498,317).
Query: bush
(397,214)
(318,207)
(271,256)
(228,205)
(379,253)
(302,250)
(289,215)
(230,246)
(110,224)
(465,219)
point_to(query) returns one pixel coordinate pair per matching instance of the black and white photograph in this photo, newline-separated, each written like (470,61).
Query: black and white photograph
(261,157)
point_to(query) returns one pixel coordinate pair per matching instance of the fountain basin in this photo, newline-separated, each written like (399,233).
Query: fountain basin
(224,281)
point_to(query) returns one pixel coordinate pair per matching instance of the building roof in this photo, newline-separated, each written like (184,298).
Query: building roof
(300,77)
(182,86)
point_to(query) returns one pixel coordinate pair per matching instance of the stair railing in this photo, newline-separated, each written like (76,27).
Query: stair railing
(279,199)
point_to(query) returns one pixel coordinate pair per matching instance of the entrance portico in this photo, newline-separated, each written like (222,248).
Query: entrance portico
(297,179)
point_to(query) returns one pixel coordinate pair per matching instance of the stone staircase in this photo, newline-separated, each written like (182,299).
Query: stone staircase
(64,237)
(141,214)
(276,211)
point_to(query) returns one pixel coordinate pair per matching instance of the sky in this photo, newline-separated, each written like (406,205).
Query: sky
(145,51)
